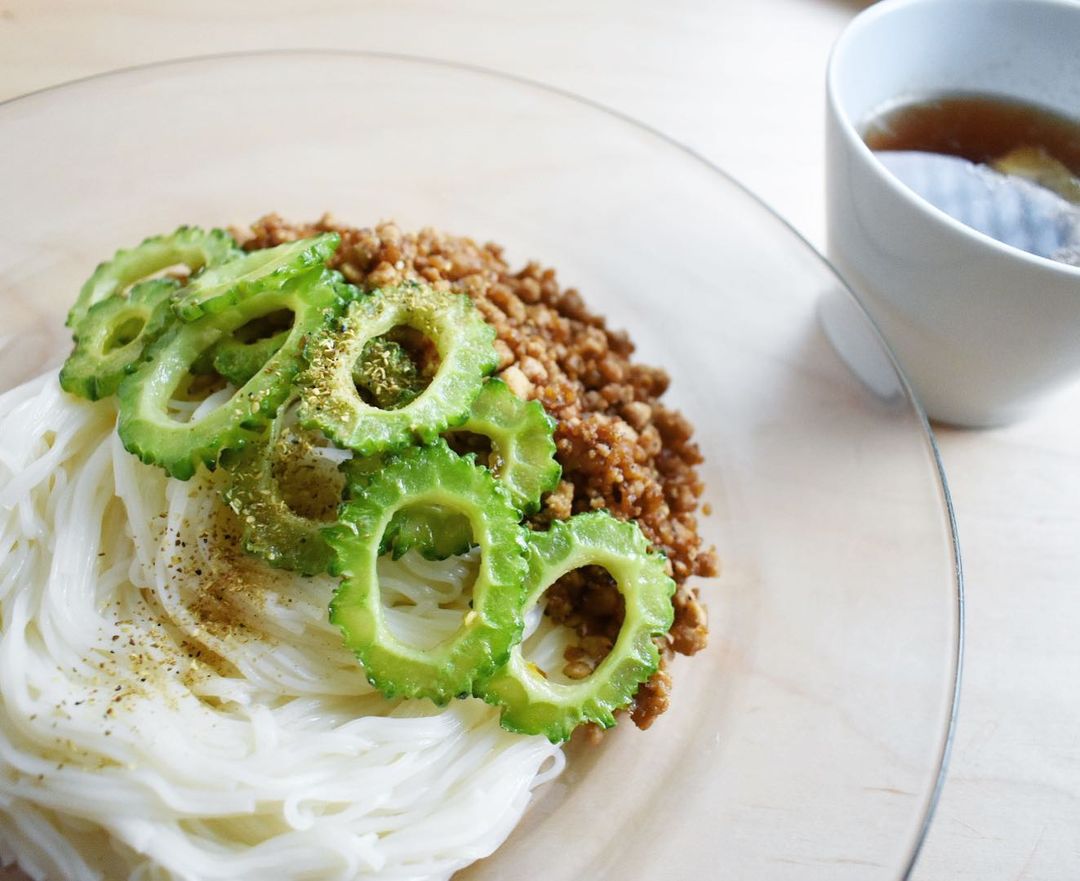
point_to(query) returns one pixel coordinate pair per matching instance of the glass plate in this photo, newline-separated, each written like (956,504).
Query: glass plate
(808,741)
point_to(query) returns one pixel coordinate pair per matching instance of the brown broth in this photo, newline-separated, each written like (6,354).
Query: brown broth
(976,127)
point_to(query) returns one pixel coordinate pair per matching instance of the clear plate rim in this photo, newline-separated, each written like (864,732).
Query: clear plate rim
(957,658)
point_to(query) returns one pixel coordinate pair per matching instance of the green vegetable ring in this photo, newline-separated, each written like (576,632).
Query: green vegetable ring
(522,441)
(429,475)
(271,529)
(523,459)
(189,246)
(113,334)
(219,287)
(145,426)
(329,399)
(534,705)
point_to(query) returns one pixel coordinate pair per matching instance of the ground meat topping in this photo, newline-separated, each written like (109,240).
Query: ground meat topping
(619,446)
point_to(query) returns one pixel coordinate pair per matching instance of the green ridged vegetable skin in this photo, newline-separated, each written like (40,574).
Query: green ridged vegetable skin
(432,475)
(188,246)
(144,424)
(522,443)
(531,703)
(330,401)
(218,287)
(522,459)
(112,336)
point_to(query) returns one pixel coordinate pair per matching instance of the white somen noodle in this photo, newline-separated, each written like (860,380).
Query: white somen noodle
(173,709)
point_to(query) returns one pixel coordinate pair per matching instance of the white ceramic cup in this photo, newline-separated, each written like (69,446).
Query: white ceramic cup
(982,329)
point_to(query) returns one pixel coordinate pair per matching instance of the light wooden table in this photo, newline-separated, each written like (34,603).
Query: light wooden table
(742,82)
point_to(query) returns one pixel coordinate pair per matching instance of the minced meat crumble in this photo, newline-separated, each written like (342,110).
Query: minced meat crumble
(620,448)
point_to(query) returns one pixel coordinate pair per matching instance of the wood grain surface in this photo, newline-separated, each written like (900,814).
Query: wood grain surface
(742,83)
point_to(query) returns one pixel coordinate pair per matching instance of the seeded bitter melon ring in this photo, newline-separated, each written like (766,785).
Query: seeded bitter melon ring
(145,426)
(219,287)
(429,475)
(522,459)
(271,529)
(522,443)
(531,704)
(112,336)
(330,402)
(189,246)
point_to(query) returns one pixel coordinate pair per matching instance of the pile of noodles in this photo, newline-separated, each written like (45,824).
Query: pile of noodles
(172,709)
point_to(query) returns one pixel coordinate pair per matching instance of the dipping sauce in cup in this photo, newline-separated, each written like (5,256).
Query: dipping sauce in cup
(977,297)
(1004,167)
